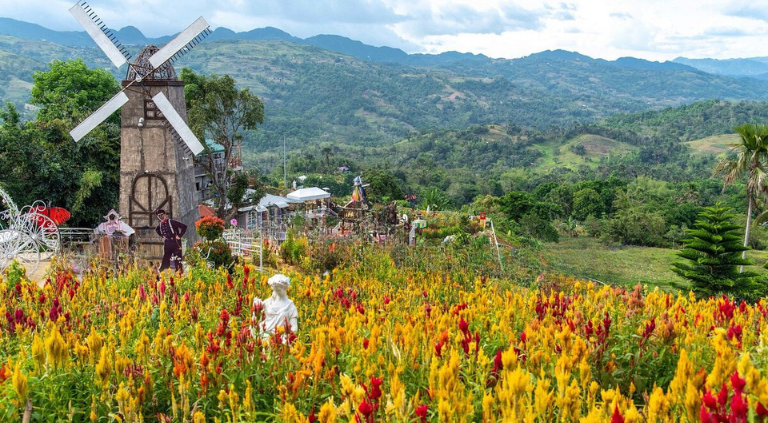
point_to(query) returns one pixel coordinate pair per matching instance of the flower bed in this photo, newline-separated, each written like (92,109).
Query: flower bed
(368,349)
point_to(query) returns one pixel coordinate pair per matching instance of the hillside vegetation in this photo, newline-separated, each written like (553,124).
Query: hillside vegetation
(313,95)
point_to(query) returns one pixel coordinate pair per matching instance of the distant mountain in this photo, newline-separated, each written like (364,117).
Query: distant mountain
(631,62)
(30,31)
(331,89)
(268,33)
(753,67)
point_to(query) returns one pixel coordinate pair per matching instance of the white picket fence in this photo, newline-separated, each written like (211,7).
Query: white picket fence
(245,244)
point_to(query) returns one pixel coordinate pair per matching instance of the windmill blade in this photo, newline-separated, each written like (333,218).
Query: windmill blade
(99,116)
(177,123)
(192,35)
(103,37)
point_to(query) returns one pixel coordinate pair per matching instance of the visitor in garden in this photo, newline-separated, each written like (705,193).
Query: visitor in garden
(171,231)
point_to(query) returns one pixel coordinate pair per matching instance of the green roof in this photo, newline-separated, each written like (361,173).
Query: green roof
(213,146)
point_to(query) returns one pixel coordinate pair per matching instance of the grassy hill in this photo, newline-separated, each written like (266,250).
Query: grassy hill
(717,145)
(584,149)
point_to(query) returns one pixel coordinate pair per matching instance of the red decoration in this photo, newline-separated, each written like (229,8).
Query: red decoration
(57,214)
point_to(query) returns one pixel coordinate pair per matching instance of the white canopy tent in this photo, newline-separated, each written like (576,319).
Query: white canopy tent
(308,194)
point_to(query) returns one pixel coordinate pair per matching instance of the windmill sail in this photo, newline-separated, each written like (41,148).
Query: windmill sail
(106,41)
(99,116)
(119,55)
(177,123)
(192,35)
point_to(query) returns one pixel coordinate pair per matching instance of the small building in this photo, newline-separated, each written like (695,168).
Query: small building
(268,216)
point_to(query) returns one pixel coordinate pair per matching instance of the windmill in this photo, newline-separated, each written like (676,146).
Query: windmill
(156,144)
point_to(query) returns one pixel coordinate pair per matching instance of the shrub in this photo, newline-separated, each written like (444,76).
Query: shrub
(216,251)
(210,227)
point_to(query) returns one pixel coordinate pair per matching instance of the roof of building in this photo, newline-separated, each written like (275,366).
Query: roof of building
(205,210)
(307,194)
(213,146)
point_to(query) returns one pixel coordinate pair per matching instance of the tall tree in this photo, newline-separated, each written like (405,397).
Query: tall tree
(712,250)
(220,111)
(751,159)
(39,160)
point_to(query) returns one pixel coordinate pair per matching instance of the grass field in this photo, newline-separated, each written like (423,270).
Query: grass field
(595,147)
(588,258)
(718,144)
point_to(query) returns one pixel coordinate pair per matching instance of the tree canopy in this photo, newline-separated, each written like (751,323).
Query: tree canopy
(220,111)
(40,161)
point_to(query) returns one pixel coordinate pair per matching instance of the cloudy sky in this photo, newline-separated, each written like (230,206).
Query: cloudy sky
(649,29)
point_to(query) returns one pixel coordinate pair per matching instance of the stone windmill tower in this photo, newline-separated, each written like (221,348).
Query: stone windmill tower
(156,169)
(157,146)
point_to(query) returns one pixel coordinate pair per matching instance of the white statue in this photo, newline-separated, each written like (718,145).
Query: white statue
(277,310)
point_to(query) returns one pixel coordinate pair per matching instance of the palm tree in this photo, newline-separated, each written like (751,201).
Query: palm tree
(751,158)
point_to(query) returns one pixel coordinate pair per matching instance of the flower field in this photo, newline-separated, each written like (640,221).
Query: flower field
(373,349)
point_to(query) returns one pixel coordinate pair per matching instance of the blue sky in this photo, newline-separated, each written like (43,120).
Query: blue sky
(650,29)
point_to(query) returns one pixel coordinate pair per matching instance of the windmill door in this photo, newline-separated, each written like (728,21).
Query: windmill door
(149,192)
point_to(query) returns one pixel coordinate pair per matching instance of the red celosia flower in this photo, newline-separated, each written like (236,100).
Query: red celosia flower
(739,407)
(616,417)
(421,412)
(709,400)
(439,349)
(705,415)
(761,410)
(375,388)
(365,343)
(463,326)
(722,397)
(737,383)
(365,408)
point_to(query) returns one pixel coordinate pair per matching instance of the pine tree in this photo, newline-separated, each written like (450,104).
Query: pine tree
(713,249)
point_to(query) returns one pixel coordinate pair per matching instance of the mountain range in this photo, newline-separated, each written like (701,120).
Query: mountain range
(334,90)
(130,35)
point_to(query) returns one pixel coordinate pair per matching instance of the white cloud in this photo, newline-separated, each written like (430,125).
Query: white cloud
(650,29)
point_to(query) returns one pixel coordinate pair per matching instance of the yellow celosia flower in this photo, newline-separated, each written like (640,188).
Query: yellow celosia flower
(19,381)
(327,412)
(95,343)
(104,368)
(38,351)
(56,347)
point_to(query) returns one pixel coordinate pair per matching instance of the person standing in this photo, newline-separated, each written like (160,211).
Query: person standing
(171,231)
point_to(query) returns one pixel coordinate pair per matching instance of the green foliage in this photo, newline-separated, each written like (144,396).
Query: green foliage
(222,112)
(40,161)
(215,251)
(69,91)
(293,249)
(635,226)
(587,202)
(713,252)
(536,227)
(435,199)
(383,185)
